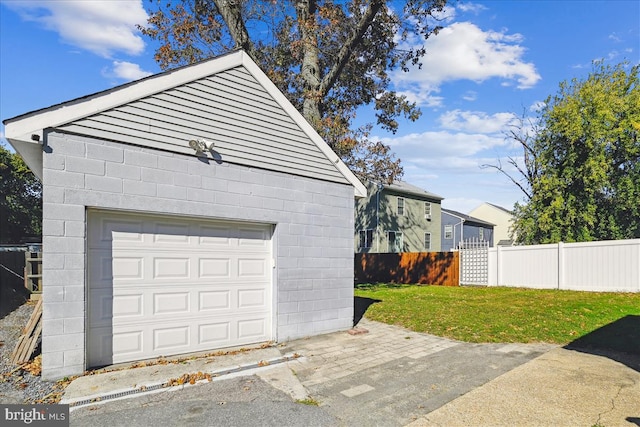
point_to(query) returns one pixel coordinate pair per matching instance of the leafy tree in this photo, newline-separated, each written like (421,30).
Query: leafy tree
(328,57)
(21,199)
(583,166)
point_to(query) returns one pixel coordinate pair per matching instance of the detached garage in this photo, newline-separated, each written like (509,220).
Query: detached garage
(188,211)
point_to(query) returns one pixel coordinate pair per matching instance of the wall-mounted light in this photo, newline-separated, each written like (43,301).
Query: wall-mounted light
(200,146)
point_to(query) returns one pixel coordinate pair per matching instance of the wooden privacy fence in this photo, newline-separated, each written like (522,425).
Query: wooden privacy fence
(428,268)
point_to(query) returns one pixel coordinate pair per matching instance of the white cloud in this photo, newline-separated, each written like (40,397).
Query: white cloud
(476,121)
(102,27)
(462,51)
(614,37)
(471,7)
(470,95)
(126,71)
(439,144)
(537,106)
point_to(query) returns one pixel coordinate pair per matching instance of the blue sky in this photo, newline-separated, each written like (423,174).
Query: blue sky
(493,61)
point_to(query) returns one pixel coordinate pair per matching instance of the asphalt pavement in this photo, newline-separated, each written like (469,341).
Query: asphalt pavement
(388,376)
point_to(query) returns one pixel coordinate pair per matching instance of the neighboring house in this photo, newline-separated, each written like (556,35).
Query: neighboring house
(397,218)
(501,217)
(188,211)
(457,227)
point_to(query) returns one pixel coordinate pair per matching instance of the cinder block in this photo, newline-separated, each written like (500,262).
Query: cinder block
(200,195)
(158,176)
(140,188)
(119,170)
(62,310)
(140,158)
(53,161)
(51,361)
(55,343)
(74,325)
(56,327)
(62,245)
(86,166)
(189,181)
(74,359)
(74,293)
(103,183)
(238,187)
(213,183)
(103,152)
(53,194)
(53,261)
(66,179)
(53,227)
(66,145)
(74,261)
(74,228)
(53,293)
(173,163)
(172,192)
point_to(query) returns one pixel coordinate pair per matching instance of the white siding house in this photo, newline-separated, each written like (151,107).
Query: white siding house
(153,248)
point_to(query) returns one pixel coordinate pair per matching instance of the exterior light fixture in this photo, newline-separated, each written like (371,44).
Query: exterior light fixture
(200,146)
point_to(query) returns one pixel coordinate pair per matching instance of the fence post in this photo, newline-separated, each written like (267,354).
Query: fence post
(560,265)
(498,265)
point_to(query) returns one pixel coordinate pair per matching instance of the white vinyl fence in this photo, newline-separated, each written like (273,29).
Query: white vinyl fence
(612,266)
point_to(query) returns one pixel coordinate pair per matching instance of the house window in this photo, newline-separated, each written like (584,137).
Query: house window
(400,206)
(427,211)
(448,232)
(366,238)
(427,241)
(395,241)
(481,233)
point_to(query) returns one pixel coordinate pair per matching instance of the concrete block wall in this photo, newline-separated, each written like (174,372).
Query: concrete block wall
(312,241)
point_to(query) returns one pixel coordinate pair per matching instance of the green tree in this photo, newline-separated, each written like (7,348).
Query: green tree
(20,201)
(585,159)
(328,57)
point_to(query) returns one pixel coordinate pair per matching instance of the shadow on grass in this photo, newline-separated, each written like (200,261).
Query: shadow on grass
(619,341)
(360,306)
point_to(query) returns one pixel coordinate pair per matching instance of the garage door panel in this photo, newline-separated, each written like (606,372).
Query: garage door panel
(127,306)
(252,267)
(101,308)
(165,286)
(100,346)
(214,334)
(214,236)
(252,328)
(107,231)
(171,268)
(214,268)
(252,298)
(171,303)
(253,237)
(171,233)
(214,300)
(175,339)
(128,343)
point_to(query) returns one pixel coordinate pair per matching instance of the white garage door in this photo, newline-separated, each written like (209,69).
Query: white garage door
(161,286)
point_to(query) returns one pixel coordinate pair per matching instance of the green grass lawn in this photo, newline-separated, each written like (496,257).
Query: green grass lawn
(492,314)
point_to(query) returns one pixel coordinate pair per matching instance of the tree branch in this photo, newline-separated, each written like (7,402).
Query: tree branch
(501,169)
(231,13)
(344,54)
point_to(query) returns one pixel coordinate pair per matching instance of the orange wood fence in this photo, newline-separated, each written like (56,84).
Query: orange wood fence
(430,268)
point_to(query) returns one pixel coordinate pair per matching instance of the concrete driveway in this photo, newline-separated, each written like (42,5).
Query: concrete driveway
(387,377)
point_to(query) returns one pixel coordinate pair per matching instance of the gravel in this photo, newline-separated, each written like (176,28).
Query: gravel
(20,385)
